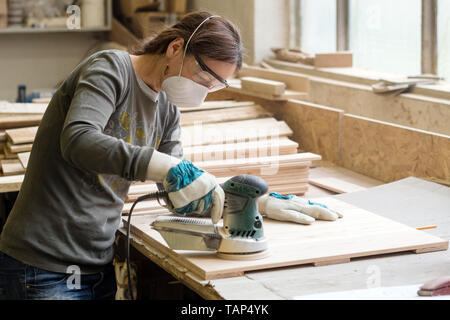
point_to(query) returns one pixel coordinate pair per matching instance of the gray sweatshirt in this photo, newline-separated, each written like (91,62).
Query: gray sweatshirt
(96,137)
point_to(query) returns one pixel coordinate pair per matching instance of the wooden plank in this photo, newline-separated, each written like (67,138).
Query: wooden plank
(293,80)
(359,234)
(15,121)
(305,157)
(333,60)
(7,108)
(259,85)
(340,180)
(389,152)
(17,148)
(335,184)
(214,105)
(11,167)
(21,135)
(11,183)
(235,131)
(9,154)
(266,147)
(235,87)
(223,115)
(23,158)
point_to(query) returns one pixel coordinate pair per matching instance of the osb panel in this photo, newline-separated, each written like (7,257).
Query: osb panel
(315,128)
(411,110)
(390,152)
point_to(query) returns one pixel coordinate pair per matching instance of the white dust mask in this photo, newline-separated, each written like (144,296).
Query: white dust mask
(184,92)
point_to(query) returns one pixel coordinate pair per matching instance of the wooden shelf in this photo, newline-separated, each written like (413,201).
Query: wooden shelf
(26,30)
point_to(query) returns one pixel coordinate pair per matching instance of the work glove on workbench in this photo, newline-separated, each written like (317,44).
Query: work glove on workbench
(294,209)
(191,191)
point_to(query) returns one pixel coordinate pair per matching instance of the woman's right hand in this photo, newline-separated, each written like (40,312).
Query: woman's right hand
(190,190)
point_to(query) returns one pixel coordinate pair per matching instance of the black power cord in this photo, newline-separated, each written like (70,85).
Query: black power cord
(156,195)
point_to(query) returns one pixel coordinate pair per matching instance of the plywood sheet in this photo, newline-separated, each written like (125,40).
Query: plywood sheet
(389,152)
(359,234)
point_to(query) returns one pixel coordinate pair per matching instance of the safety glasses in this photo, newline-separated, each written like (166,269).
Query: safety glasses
(208,78)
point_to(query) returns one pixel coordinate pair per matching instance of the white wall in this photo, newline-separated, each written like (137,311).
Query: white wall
(39,61)
(263,23)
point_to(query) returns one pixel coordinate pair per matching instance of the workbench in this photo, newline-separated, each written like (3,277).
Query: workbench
(413,202)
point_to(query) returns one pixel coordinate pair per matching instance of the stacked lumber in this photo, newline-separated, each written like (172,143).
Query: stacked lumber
(17,121)
(225,138)
(247,141)
(16,149)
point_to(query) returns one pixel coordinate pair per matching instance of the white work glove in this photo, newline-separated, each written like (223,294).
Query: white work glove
(294,209)
(191,191)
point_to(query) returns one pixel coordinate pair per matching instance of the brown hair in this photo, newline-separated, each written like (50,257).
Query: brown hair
(217,39)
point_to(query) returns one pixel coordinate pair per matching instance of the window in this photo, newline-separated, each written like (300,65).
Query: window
(385,35)
(318,26)
(443,38)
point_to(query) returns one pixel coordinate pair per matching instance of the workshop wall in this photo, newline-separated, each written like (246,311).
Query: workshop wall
(40,61)
(263,23)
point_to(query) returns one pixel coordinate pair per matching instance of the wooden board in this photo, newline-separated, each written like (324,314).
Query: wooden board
(389,152)
(214,105)
(16,121)
(235,87)
(359,234)
(7,108)
(234,131)
(21,135)
(260,85)
(333,60)
(294,81)
(11,183)
(11,167)
(249,149)
(23,158)
(9,154)
(223,115)
(17,148)
(340,180)
(298,158)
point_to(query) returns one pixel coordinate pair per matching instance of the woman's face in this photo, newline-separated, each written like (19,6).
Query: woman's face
(203,70)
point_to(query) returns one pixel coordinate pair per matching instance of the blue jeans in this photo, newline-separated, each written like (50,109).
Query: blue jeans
(19,281)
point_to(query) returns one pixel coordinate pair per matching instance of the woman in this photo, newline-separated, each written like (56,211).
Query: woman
(113,121)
